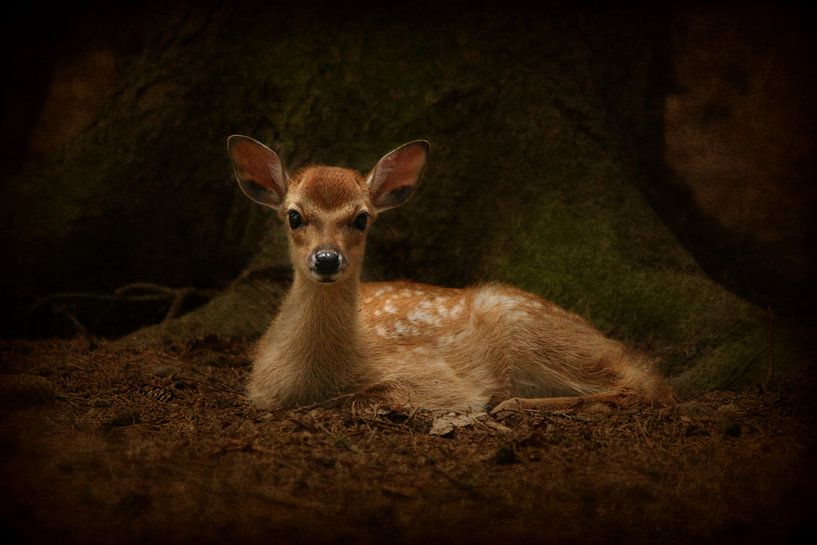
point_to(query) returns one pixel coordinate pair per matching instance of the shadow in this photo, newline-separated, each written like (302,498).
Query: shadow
(766,275)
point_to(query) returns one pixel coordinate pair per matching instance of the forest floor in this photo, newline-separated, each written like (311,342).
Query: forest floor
(104,444)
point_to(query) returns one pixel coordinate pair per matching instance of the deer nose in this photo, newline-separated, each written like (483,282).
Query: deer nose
(327,261)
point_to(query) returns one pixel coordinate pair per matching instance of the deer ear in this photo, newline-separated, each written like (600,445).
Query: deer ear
(258,170)
(394,178)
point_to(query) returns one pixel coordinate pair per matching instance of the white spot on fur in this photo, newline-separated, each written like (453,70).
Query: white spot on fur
(400,328)
(487,300)
(384,289)
(380,330)
(419,316)
(447,340)
(389,308)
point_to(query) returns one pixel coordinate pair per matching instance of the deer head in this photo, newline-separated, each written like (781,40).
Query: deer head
(326,210)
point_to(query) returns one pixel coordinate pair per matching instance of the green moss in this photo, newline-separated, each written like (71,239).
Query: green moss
(591,243)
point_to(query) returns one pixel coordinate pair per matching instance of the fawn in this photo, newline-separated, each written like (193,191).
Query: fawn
(404,343)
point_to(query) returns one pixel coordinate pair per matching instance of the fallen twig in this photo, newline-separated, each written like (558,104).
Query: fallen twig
(137,292)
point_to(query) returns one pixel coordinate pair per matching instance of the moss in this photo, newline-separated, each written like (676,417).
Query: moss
(591,243)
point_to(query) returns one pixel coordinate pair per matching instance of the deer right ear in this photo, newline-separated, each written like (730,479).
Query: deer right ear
(394,178)
(258,170)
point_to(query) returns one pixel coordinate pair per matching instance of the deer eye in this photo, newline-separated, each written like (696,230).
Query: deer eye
(295,219)
(361,220)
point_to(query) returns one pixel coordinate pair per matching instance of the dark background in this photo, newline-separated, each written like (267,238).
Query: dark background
(650,167)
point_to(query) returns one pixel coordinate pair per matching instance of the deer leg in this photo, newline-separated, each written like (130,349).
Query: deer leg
(381,394)
(619,399)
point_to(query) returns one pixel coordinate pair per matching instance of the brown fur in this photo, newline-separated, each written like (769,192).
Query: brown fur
(329,187)
(420,345)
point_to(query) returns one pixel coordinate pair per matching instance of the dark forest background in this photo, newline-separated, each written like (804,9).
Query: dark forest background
(650,167)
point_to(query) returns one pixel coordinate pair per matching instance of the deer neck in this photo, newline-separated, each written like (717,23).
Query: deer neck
(320,324)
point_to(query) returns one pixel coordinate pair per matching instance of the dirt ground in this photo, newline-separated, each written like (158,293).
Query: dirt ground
(103,444)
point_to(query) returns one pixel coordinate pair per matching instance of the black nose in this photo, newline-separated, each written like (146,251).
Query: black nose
(327,261)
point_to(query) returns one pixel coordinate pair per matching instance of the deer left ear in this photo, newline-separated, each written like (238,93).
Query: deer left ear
(394,178)
(258,170)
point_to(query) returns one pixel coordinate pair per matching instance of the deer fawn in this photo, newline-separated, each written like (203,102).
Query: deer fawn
(403,343)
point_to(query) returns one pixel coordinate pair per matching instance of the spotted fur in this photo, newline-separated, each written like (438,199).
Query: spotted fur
(414,344)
